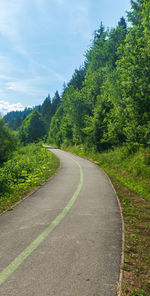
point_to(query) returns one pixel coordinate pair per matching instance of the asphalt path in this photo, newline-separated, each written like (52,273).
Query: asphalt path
(64,239)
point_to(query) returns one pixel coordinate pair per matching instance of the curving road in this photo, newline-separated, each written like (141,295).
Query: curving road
(65,239)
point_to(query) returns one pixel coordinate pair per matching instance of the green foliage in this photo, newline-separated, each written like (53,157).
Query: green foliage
(140,292)
(29,167)
(129,164)
(8,141)
(106,103)
(100,33)
(78,78)
(55,102)
(134,16)
(33,128)
(46,109)
(55,136)
(103,52)
(147,134)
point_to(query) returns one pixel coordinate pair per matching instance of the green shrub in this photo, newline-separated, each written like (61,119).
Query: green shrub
(8,141)
(29,167)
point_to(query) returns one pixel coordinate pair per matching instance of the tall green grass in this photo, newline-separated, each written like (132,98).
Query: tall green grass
(130,166)
(28,168)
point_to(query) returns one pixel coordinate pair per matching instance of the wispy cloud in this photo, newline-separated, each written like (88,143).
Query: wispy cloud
(34,33)
(52,72)
(4,77)
(80,18)
(34,86)
(6,107)
(6,65)
(76,14)
(8,18)
(20,86)
(59,77)
(28,86)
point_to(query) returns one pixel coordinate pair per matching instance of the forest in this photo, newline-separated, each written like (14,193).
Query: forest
(107,101)
(103,114)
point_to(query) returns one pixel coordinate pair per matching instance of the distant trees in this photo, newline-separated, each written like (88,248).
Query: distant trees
(15,118)
(47,109)
(55,103)
(33,128)
(55,132)
(8,141)
(32,124)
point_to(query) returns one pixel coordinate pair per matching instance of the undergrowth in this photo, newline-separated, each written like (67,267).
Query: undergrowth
(28,168)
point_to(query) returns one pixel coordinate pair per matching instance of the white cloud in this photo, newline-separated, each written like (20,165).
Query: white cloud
(6,107)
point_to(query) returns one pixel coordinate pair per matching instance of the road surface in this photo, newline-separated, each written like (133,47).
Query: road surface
(65,239)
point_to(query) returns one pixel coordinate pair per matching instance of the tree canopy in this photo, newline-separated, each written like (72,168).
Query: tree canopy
(33,128)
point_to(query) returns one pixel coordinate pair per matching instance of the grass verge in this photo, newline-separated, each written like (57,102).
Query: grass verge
(130,175)
(29,167)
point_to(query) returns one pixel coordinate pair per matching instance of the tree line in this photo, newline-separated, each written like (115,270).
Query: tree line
(47,109)
(27,126)
(107,101)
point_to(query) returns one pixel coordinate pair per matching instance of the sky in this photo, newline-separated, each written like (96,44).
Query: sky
(42,42)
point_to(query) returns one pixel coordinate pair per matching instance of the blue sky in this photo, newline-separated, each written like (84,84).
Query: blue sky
(43,41)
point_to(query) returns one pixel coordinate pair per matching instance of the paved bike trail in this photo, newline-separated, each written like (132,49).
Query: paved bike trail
(64,239)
